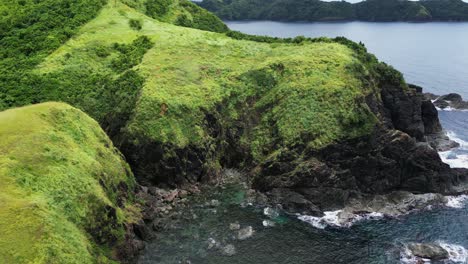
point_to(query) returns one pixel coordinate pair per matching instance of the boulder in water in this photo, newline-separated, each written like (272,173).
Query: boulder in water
(428,251)
(270,212)
(452,100)
(245,233)
(268,223)
(234,226)
(229,250)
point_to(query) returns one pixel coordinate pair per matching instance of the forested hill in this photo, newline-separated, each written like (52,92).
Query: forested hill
(316,10)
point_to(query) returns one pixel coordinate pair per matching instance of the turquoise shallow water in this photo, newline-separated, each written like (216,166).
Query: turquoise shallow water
(293,241)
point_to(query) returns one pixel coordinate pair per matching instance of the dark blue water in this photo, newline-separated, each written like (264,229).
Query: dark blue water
(292,241)
(433,55)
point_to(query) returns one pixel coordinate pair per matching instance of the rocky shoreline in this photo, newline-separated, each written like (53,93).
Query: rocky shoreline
(451,101)
(386,173)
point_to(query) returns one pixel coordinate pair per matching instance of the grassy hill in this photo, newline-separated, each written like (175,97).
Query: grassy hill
(156,84)
(65,192)
(181,102)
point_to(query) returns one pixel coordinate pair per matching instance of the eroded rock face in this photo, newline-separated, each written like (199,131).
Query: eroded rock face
(400,155)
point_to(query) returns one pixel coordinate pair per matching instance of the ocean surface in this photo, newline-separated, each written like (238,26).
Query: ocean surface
(434,56)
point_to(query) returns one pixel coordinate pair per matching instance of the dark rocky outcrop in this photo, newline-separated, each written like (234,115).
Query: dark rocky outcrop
(400,155)
(428,251)
(452,100)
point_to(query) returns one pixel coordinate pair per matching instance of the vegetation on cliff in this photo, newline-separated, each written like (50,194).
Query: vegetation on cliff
(298,91)
(316,10)
(180,103)
(186,95)
(66,192)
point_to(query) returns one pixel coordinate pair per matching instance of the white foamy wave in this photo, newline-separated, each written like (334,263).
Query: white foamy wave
(407,257)
(457,254)
(457,201)
(338,219)
(453,159)
(454,137)
(448,108)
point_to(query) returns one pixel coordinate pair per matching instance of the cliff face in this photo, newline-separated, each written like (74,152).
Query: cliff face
(401,154)
(315,122)
(190,103)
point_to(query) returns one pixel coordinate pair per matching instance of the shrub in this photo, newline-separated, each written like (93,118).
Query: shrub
(135,24)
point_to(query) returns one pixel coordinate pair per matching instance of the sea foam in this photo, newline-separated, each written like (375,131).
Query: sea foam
(453,159)
(335,219)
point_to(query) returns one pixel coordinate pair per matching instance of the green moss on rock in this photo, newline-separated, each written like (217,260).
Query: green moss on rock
(64,187)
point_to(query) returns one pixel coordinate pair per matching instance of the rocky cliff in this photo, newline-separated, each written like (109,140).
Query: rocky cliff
(311,114)
(313,122)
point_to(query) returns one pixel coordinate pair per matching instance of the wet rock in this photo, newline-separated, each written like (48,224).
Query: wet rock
(144,189)
(183,194)
(452,156)
(430,118)
(211,243)
(228,250)
(441,142)
(293,202)
(270,212)
(171,196)
(234,226)
(142,230)
(214,203)
(428,251)
(245,233)
(394,204)
(130,249)
(268,223)
(451,100)
(193,189)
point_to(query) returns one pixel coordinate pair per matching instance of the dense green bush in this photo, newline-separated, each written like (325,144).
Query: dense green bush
(183,13)
(29,31)
(201,19)
(131,54)
(135,24)
(157,8)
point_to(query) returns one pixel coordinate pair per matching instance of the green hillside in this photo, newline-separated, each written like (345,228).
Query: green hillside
(177,93)
(62,181)
(173,76)
(150,82)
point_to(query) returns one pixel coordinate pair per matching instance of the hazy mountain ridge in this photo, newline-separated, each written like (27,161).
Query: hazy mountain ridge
(316,10)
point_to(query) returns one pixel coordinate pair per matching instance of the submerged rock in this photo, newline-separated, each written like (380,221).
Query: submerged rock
(395,203)
(428,251)
(268,223)
(234,226)
(270,212)
(229,250)
(245,233)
